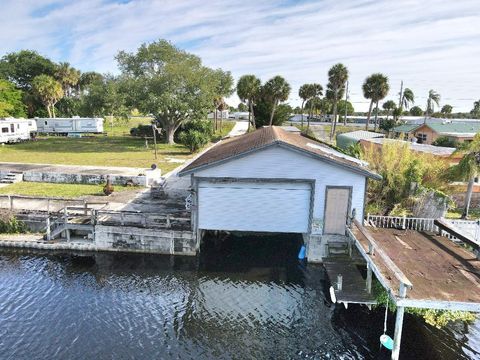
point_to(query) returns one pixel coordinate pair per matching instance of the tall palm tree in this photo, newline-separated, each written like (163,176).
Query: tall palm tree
(276,89)
(248,90)
(314,91)
(408,98)
(468,168)
(67,76)
(304,94)
(337,78)
(375,88)
(433,98)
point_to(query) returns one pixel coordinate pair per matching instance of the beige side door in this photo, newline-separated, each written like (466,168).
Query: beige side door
(336,210)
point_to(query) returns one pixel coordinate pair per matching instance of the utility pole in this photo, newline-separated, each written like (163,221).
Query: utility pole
(400,95)
(346,107)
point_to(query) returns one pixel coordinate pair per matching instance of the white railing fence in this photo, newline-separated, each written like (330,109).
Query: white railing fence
(470,228)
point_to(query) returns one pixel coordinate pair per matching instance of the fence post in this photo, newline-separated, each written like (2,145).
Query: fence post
(48,228)
(168,221)
(10,200)
(404,222)
(85,207)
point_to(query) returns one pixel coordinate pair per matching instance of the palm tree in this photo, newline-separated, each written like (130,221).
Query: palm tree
(389,106)
(304,94)
(276,89)
(468,168)
(48,90)
(408,98)
(248,90)
(375,88)
(337,78)
(67,76)
(433,98)
(313,91)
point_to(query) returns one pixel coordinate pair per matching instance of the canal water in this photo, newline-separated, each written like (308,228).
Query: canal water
(246,298)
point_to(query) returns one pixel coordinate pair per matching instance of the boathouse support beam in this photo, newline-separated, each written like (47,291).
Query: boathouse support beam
(369,278)
(397,339)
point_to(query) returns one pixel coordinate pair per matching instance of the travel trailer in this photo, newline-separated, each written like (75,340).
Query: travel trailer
(16,130)
(66,126)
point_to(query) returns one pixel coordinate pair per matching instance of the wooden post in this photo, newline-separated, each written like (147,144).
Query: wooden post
(10,198)
(369,278)
(339,282)
(398,332)
(85,207)
(168,221)
(397,339)
(47,222)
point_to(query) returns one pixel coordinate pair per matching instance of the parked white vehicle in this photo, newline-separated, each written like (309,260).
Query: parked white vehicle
(16,130)
(66,126)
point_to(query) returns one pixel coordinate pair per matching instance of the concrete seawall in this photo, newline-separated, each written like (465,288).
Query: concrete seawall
(113,239)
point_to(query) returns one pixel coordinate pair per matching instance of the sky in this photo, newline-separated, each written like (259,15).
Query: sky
(429,44)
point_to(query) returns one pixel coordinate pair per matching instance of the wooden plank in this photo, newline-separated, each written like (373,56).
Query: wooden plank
(396,270)
(354,289)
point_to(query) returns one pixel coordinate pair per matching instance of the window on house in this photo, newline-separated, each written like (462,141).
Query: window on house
(46,122)
(421,137)
(5,130)
(12,128)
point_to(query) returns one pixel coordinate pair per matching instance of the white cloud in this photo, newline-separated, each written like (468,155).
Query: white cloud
(427,44)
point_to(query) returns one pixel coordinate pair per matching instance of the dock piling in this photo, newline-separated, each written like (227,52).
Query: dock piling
(339,282)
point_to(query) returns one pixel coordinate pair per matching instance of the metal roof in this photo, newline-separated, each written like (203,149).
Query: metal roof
(425,148)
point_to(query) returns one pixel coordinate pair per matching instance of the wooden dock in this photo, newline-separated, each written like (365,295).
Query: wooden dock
(346,279)
(418,267)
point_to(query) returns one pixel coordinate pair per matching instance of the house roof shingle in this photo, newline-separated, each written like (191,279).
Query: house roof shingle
(270,135)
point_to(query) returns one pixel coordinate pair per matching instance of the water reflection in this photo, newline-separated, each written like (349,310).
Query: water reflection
(243,299)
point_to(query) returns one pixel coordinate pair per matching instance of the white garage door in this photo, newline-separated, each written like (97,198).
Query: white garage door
(254,206)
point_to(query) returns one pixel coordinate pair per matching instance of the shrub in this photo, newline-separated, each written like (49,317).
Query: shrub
(195,134)
(445,141)
(203,126)
(401,168)
(9,224)
(143,131)
(193,139)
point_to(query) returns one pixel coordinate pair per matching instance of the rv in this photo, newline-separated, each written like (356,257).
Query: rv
(16,130)
(67,126)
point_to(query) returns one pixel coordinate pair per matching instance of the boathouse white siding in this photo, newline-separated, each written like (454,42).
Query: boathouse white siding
(277,162)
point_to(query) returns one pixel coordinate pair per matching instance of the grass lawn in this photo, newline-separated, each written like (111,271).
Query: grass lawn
(113,150)
(457,213)
(70,191)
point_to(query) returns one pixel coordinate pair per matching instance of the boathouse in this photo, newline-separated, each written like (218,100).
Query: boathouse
(275,181)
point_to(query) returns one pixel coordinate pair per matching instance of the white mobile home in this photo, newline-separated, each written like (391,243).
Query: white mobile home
(271,180)
(74,125)
(16,130)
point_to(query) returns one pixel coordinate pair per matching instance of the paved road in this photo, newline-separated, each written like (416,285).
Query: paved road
(240,128)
